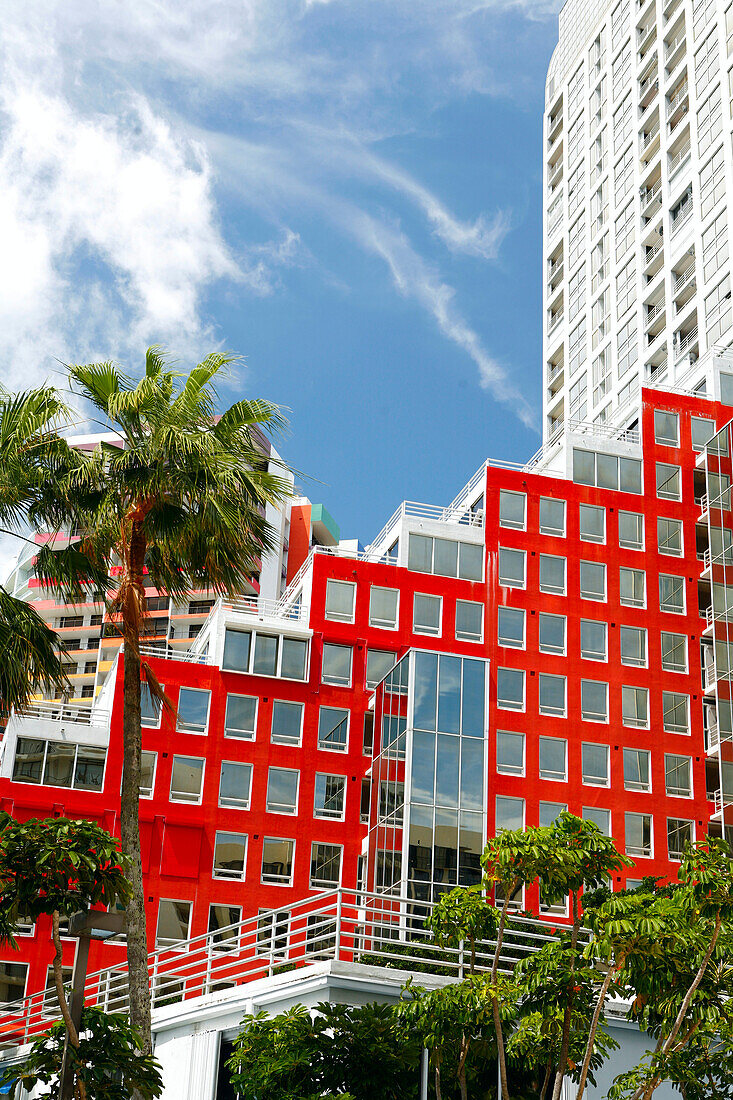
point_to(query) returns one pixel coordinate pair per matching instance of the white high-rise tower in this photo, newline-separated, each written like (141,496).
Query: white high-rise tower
(638,186)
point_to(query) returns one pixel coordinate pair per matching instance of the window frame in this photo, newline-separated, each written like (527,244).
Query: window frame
(271,881)
(594,782)
(335,681)
(597,509)
(279,740)
(231,876)
(188,801)
(318,814)
(272,808)
(553,649)
(502,705)
(235,804)
(553,589)
(464,636)
(501,639)
(241,735)
(280,639)
(552,711)
(322,884)
(549,774)
(513,524)
(429,633)
(381,624)
(508,769)
(591,717)
(553,532)
(504,583)
(340,617)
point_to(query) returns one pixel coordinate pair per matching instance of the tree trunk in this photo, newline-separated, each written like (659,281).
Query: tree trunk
(494,1001)
(438,1090)
(58,981)
(612,970)
(462,1067)
(545,1083)
(137,939)
(562,1061)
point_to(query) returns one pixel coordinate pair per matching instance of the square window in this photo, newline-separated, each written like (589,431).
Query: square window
(224,931)
(635,707)
(230,851)
(187,779)
(592,580)
(512,509)
(549,812)
(512,572)
(264,662)
(148,761)
(595,764)
(330,796)
(669,536)
(511,627)
(240,719)
(13,978)
(333,728)
(336,667)
(383,607)
(675,712)
(552,517)
(552,574)
(287,722)
(510,688)
(674,652)
(378,664)
(631,530)
(553,758)
(325,866)
(174,922)
(277,861)
(420,554)
(340,601)
(509,813)
(632,587)
(235,785)
(669,485)
(593,640)
(445,557)
(237,645)
(680,833)
(594,700)
(150,708)
(552,694)
(666,428)
(592,523)
(426,614)
(638,835)
(584,467)
(678,775)
(293,660)
(469,621)
(552,633)
(599,817)
(703,431)
(509,753)
(637,773)
(471,561)
(672,594)
(282,790)
(632,644)
(193,710)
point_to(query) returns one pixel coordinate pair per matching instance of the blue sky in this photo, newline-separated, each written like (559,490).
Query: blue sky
(347,192)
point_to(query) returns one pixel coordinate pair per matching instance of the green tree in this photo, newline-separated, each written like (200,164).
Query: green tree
(176,499)
(57,867)
(109,1062)
(341,1050)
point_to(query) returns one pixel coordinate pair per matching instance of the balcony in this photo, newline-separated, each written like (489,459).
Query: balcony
(678,158)
(684,342)
(646,37)
(674,50)
(649,83)
(651,200)
(653,259)
(655,373)
(649,141)
(683,286)
(553,321)
(681,213)
(554,128)
(554,174)
(669,9)
(677,105)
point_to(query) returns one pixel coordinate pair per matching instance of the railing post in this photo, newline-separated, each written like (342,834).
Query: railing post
(271,967)
(461,974)
(337,941)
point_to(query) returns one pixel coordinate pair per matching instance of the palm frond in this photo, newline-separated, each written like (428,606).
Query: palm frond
(30,655)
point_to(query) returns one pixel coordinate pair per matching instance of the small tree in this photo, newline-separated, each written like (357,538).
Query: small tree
(58,867)
(109,1062)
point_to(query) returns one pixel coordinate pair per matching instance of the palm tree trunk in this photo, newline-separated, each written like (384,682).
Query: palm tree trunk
(137,938)
(58,981)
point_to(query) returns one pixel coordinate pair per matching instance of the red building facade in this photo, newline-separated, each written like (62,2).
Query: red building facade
(567,605)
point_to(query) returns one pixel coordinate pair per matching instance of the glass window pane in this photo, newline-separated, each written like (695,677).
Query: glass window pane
(235,785)
(325,869)
(241,716)
(669,536)
(294,655)
(340,598)
(29,756)
(150,707)
(551,633)
(594,700)
(553,758)
(174,921)
(383,604)
(471,561)
(333,728)
(632,587)
(89,770)
(592,580)
(427,614)
(552,694)
(703,431)
(511,567)
(584,467)
(147,773)
(426,690)
(473,701)
(607,471)
(636,770)
(601,818)
(336,667)
(552,516)
(595,764)
(512,509)
(445,557)
(265,658)
(631,530)
(638,834)
(277,860)
(629,475)
(59,764)
(230,851)
(510,688)
(420,554)
(469,621)
(549,812)
(592,523)
(552,574)
(511,626)
(193,710)
(632,642)
(12,981)
(679,834)
(510,753)
(236,650)
(449,694)
(509,813)
(423,766)
(678,775)
(282,790)
(187,778)
(379,662)
(223,936)
(668,481)
(446,770)
(675,710)
(329,795)
(674,652)
(672,594)
(635,706)
(666,428)
(593,643)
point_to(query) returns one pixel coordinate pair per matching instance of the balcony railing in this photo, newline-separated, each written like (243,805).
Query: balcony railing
(681,280)
(682,215)
(65,712)
(648,137)
(684,342)
(678,98)
(337,925)
(653,311)
(678,158)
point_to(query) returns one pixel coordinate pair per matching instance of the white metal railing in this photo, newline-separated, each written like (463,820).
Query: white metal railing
(554,174)
(65,712)
(554,320)
(604,431)
(652,78)
(556,370)
(654,311)
(680,281)
(264,609)
(709,676)
(652,251)
(341,925)
(649,194)
(599,277)
(682,215)
(678,98)
(702,503)
(655,372)
(670,47)
(706,559)
(174,654)
(670,8)
(685,342)
(648,137)
(721,800)
(676,160)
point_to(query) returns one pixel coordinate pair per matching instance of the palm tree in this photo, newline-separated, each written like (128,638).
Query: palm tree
(175,497)
(30,450)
